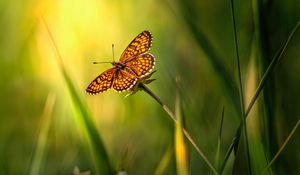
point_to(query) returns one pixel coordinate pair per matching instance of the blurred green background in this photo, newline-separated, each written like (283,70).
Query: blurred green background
(193,40)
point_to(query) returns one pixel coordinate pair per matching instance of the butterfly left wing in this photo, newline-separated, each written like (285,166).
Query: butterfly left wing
(138,45)
(124,80)
(102,83)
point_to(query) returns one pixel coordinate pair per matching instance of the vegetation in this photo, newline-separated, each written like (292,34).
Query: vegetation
(220,66)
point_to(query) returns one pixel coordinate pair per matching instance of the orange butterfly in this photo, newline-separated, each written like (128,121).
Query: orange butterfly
(135,63)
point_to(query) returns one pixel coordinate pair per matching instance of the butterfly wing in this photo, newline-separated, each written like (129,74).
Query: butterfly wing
(141,65)
(124,80)
(138,45)
(102,83)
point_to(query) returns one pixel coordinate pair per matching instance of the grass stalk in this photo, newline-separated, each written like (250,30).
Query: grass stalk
(241,90)
(225,78)
(185,132)
(97,149)
(40,151)
(180,145)
(282,146)
(276,59)
(164,162)
(219,140)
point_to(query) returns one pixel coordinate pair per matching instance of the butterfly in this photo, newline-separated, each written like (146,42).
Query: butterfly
(134,63)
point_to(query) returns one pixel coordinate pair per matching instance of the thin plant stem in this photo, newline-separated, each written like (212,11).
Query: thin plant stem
(241,89)
(276,59)
(185,132)
(219,139)
(282,147)
(270,68)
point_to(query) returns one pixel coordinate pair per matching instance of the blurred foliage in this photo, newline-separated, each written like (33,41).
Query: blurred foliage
(192,39)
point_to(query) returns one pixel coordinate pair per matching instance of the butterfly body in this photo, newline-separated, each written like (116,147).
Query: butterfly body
(118,65)
(134,64)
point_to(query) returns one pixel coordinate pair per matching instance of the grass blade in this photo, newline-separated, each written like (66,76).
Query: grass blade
(41,147)
(219,140)
(84,119)
(276,59)
(164,162)
(180,146)
(243,116)
(270,68)
(282,146)
(224,77)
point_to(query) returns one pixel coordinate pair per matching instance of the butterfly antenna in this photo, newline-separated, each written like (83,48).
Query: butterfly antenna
(100,62)
(113,53)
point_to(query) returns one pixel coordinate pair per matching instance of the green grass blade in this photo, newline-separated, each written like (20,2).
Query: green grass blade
(243,116)
(282,146)
(228,153)
(180,146)
(276,59)
(270,68)
(217,159)
(164,162)
(224,77)
(41,148)
(84,118)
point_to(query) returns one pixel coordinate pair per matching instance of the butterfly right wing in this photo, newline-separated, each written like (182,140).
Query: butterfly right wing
(103,82)
(138,45)
(141,65)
